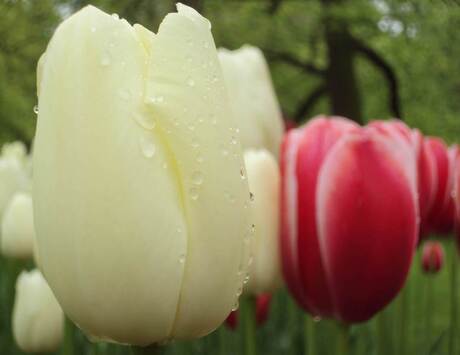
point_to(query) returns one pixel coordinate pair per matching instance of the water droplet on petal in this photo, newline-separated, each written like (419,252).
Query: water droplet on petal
(235,306)
(105,59)
(145,121)
(239,291)
(233,140)
(36,109)
(197,178)
(194,193)
(316,319)
(115,16)
(251,196)
(190,82)
(93,29)
(182,258)
(147,147)
(242,173)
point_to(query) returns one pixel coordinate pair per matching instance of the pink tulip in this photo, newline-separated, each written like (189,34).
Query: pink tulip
(348,207)
(441,216)
(432,257)
(262,310)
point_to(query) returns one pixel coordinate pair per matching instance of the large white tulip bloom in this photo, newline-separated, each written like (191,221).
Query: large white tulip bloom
(17,227)
(139,181)
(264,181)
(38,320)
(253,99)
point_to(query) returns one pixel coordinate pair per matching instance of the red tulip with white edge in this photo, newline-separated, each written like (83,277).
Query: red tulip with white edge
(440,218)
(348,206)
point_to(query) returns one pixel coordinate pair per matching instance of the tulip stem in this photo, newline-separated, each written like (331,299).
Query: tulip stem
(403,318)
(381,334)
(343,341)
(453,302)
(68,337)
(148,350)
(310,341)
(249,314)
(429,308)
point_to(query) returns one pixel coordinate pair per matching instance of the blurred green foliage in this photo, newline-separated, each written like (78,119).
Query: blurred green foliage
(417,38)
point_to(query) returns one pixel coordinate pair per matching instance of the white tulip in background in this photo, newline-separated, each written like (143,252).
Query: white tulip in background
(38,321)
(140,196)
(252,97)
(17,227)
(14,176)
(264,181)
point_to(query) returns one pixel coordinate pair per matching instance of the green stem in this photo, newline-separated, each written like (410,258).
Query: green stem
(343,339)
(404,316)
(68,337)
(310,330)
(222,341)
(428,308)
(381,334)
(453,303)
(249,314)
(148,350)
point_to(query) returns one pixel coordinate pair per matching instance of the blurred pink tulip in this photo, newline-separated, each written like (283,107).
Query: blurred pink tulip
(348,206)
(432,257)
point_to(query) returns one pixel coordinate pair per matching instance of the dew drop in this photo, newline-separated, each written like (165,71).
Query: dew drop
(179,230)
(316,319)
(239,291)
(190,82)
(251,196)
(197,178)
(105,60)
(246,279)
(233,140)
(147,147)
(224,152)
(145,121)
(115,16)
(165,166)
(242,173)
(194,193)
(235,306)
(205,45)
(36,109)
(93,29)
(156,99)
(182,258)
(191,127)
(253,228)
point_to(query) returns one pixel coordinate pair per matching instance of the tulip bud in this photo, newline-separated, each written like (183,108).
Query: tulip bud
(342,184)
(38,320)
(262,310)
(253,99)
(432,257)
(263,177)
(138,194)
(17,229)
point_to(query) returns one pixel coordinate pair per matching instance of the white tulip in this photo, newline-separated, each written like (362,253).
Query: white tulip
(138,196)
(38,320)
(264,180)
(17,228)
(253,99)
(13,177)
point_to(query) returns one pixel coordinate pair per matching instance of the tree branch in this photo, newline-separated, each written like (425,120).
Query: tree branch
(310,101)
(293,61)
(388,72)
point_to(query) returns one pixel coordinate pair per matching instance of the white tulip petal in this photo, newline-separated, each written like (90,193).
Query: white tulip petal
(264,183)
(17,228)
(38,320)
